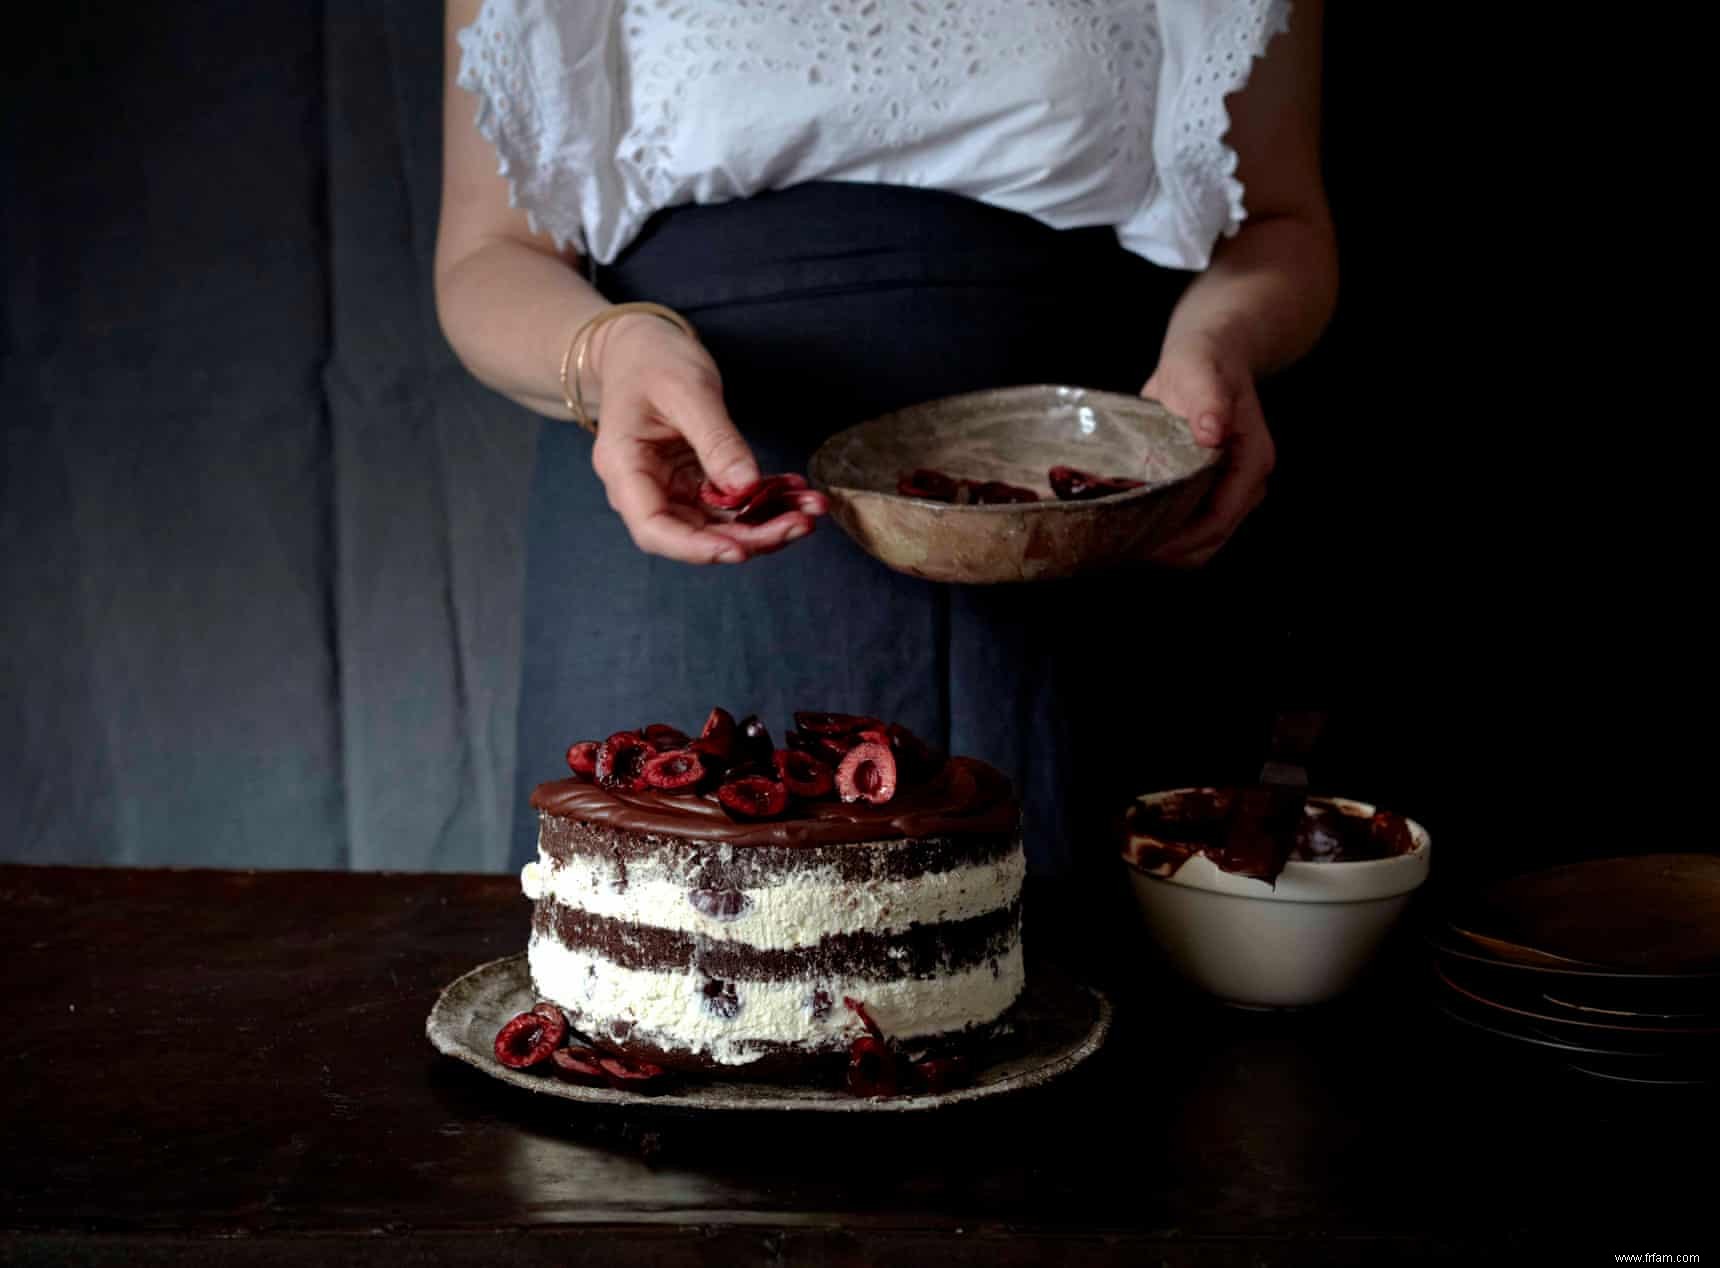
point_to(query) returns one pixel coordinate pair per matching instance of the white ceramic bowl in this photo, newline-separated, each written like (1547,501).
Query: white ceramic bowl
(1300,942)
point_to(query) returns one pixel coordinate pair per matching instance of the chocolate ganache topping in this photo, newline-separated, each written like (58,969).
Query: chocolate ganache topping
(967,798)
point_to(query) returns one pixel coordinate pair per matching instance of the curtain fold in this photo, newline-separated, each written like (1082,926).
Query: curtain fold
(259,533)
(430,471)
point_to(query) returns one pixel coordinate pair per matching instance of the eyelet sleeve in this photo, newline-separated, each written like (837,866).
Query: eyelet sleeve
(1209,49)
(542,75)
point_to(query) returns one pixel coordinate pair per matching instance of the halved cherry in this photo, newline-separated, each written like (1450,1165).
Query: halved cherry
(526,1040)
(942,1074)
(725,499)
(663,737)
(838,724)
(679,770)
(718,741)
(763,501)
(1391,834)
(829,749)
(716,758)
(774,496)
(555,1021)
(578,1065)
(803,774)
(916,761)
(925,482)
(871,1068)
(868,773)
(749,770)
(720,726)
(633,1075)
(621,761)
(1073,485)
(582,759)
(752,797)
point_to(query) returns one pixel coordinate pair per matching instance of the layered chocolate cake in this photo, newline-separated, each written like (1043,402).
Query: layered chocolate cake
(720,904)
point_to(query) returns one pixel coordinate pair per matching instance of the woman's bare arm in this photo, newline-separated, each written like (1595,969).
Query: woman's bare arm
(510,304)
(1271,289)
(508,301)
(1269,292)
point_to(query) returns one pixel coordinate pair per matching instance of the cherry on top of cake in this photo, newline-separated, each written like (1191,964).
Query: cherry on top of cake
(833,769)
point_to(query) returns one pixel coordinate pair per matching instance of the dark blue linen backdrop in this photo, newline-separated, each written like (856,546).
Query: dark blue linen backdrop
(261,536)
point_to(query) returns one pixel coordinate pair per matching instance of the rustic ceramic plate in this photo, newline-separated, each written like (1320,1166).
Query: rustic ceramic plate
(1653,1017)
(1502,949)
(1627,996)
(1440,943)
(1578,1029)
(1611,1063)
(1058,1024)
(1649,914)
(1016,435)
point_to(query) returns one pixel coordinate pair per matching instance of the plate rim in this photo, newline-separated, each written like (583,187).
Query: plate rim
(1469,994)
(833,1101)
(1439,946)
(1457,1014)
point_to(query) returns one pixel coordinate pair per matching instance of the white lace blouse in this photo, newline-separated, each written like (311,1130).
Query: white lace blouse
(1075,112)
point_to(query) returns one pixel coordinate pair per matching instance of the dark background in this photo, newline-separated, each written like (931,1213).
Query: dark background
(261,534)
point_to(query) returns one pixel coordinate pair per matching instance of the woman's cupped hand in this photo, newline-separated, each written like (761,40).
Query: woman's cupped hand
(665,430)
(1213,387)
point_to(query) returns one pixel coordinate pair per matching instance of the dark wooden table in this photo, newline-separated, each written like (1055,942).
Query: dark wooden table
(217,1066)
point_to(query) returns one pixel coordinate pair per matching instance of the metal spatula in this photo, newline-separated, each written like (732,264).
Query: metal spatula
(1260,828)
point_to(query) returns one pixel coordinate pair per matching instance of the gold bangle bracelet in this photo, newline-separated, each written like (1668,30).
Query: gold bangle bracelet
(574,396)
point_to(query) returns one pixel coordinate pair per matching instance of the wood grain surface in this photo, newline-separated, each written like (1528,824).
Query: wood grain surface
(231,1067)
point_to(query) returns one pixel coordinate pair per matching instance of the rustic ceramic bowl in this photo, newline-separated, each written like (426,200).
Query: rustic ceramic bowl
(1015,434)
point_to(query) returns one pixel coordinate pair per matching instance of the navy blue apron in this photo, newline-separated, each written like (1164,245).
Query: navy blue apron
(824,305)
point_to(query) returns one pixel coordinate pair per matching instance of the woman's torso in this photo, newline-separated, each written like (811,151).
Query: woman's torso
(825,304)
(1076,112)
(1053,117)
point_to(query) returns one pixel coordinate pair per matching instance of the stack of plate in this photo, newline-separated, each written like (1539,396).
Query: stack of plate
(1610,966)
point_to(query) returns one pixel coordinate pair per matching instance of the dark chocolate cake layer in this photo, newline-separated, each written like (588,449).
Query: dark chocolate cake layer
(919,951)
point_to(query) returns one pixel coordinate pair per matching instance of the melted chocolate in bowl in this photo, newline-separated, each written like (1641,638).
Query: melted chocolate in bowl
(1166,833)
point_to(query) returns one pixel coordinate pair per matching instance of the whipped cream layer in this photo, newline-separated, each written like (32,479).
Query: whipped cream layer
(670,1009)
(799,910)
